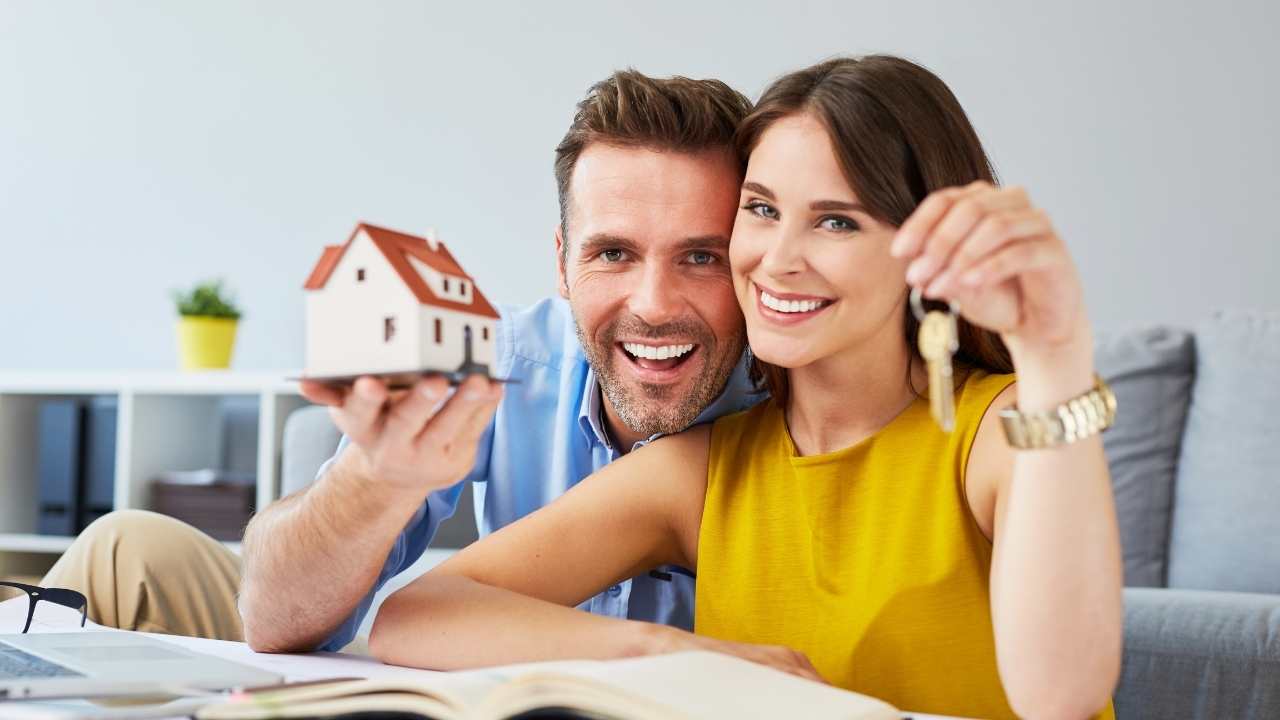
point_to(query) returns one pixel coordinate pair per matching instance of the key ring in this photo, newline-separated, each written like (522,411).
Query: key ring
(917,305)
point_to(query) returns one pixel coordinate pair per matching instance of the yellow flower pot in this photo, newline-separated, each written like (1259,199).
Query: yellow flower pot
(205,343)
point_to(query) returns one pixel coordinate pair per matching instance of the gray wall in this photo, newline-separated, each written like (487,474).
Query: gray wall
(144,146)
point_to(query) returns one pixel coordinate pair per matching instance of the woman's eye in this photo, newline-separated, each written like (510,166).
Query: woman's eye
(764,210)
(837,223)
(701,258)
(613,255)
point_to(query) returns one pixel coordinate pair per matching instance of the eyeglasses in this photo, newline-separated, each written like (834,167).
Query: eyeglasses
(57,596)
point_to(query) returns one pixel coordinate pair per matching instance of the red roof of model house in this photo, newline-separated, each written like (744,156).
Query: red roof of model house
(397,247)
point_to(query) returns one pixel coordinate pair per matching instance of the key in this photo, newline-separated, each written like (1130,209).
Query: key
(938,341)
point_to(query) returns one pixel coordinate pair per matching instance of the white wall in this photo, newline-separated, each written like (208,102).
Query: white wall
(145,145)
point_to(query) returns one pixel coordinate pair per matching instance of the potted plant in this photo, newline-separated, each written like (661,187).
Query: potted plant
(206,326)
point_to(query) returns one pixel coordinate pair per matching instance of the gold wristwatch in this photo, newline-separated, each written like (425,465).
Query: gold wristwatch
(1073,420)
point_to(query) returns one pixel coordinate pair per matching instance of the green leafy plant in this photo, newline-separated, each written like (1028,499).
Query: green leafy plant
(207,299)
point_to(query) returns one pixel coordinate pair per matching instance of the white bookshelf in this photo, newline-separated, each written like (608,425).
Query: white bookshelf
(165,421)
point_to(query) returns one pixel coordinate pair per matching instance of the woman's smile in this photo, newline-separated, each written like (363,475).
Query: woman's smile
(788,308)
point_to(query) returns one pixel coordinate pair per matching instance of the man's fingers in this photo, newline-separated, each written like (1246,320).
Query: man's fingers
(450,424)
(361,413)
(320,393)
(408,415)
(483,412)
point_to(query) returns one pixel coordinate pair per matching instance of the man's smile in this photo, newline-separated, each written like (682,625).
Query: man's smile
(658,362)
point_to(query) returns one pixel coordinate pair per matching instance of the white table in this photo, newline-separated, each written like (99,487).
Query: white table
(294,668)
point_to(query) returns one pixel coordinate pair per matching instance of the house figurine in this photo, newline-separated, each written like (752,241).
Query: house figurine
(398,306)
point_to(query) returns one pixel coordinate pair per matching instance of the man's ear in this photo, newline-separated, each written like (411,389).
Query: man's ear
(562,282)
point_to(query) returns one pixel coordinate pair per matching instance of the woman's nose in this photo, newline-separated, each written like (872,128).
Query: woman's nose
(785,255)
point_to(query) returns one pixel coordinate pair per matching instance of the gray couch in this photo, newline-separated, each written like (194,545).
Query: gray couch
(1195,462)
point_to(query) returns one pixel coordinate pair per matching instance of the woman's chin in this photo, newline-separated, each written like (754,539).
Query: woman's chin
(778,356)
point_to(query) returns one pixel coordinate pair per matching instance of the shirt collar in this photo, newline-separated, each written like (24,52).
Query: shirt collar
(591,412)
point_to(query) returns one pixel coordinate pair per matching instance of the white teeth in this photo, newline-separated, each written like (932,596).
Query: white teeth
(789,306)
(650,352)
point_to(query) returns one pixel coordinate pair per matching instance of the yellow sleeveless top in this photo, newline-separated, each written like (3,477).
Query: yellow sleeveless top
(866,559)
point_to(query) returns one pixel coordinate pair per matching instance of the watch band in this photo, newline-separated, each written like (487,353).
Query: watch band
(1074,420)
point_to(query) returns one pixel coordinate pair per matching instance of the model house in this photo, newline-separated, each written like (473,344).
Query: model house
(387,302)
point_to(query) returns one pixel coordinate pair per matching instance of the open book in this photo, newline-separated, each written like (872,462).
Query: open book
(662,687)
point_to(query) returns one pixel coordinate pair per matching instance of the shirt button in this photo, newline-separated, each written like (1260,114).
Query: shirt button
(615,591)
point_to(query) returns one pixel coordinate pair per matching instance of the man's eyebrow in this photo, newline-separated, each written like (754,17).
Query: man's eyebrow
(836,205)
(604,241)
(756,187)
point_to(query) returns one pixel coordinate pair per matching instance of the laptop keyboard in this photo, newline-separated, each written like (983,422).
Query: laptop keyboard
(15,663)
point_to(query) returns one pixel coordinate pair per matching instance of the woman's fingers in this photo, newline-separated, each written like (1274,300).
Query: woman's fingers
(1012,260)
(993,232)
(910,237)
(952,230)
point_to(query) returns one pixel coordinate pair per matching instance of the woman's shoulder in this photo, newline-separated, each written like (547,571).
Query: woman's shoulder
(979,388)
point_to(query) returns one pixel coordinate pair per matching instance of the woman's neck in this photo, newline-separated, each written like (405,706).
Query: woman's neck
(845,398)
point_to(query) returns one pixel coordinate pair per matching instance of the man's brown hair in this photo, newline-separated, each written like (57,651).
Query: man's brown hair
(630,109)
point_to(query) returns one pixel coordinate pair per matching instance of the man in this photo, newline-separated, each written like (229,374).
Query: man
(645,339)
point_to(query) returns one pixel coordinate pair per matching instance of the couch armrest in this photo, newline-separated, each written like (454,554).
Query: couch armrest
(310,438)
(1199,654)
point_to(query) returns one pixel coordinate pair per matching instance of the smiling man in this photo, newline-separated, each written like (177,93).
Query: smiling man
(645,339)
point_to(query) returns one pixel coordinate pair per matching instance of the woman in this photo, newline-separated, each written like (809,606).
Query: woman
(836,531)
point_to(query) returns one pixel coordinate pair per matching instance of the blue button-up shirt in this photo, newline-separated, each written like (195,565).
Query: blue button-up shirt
(547,435)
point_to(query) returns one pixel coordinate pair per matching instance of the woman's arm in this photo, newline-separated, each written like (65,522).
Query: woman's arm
(509,597)
(1056,574)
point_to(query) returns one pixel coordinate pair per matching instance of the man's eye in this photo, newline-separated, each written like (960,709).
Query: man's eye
(612,256)
(764,210)
(838,223)
(701,258)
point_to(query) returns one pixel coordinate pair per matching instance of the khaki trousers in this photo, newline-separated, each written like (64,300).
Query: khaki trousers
(149,572)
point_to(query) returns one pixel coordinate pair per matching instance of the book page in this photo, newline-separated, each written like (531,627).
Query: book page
(682,685)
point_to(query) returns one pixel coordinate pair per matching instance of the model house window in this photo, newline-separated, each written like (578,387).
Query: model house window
(446,284)
(464,288)
(439,331)
(388,328)
(360,275)
(484,333)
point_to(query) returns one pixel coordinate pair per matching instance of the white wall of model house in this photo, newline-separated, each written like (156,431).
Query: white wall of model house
(348,319)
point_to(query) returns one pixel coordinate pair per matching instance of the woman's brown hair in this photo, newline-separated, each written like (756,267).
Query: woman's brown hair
(899,134)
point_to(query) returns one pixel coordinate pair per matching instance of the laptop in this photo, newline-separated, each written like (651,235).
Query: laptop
(105,664)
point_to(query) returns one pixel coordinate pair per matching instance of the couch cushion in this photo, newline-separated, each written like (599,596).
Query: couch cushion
(1199,654)
(1151,372)
(1226,528)
(310,438)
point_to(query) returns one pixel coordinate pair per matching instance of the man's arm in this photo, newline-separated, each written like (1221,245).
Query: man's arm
(310,558)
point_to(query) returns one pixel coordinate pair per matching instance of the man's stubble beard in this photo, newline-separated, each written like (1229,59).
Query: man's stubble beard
(655,411)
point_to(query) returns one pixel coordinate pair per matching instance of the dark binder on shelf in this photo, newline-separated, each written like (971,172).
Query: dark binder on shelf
(61,424)
(99,460)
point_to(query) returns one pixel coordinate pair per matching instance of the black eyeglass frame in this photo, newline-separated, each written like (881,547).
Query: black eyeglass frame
(58,596)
